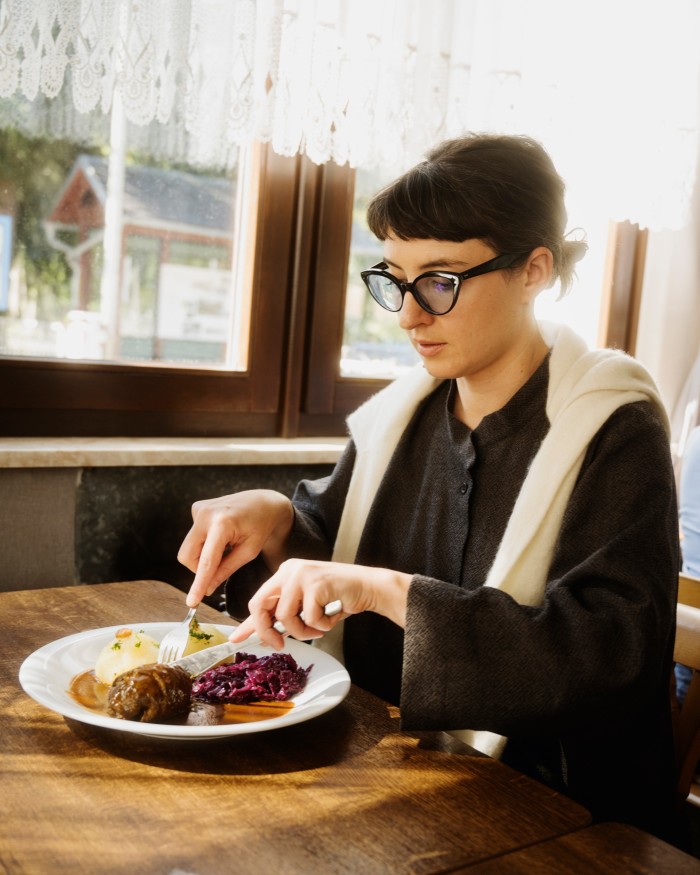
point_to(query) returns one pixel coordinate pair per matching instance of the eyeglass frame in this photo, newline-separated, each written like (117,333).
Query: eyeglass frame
(499,262)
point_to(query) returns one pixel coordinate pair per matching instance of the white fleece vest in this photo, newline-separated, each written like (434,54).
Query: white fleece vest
(585,389)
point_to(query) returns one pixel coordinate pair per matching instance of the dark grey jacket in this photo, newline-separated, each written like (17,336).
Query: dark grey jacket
(580,684)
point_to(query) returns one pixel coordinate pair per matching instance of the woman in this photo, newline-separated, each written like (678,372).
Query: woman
(501,529)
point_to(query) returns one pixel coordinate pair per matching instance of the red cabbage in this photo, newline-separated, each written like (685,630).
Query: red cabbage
(273,678)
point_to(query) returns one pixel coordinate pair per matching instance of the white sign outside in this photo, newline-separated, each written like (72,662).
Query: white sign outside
(194,303)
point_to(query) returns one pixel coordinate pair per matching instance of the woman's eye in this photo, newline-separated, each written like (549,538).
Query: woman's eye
(440,286)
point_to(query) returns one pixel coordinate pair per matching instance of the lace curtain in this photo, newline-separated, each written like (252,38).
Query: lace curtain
(371,82)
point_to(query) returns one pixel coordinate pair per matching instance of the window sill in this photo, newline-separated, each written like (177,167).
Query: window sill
(118,452)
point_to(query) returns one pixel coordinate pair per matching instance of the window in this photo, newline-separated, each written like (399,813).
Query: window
(190,358)
(116,258)
(256,325)
(103,332)
(373,343)
(219,311)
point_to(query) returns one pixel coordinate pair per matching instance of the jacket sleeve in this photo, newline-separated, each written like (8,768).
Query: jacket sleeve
(601,641)
(318,506)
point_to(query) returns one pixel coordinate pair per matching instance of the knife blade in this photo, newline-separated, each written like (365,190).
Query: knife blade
(205,659)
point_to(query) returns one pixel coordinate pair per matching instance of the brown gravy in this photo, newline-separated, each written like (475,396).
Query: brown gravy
(91,693)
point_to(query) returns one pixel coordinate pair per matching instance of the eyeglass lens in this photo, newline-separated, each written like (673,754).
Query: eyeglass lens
(436,292)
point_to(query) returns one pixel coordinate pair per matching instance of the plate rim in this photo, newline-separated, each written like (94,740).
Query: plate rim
(35,663)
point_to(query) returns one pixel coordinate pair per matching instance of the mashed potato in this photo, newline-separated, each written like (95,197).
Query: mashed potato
(128,649)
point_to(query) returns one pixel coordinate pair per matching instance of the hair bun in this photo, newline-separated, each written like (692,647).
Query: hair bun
(574,250)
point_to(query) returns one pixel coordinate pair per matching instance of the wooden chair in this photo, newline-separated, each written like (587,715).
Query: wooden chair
(687,716)
(689,590)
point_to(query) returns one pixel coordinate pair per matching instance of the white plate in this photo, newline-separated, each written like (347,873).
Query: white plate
(46,676)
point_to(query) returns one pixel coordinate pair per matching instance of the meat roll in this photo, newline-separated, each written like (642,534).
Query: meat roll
(150,693)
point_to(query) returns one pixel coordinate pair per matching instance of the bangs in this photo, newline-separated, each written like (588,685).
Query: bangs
(422,204)
(503,190)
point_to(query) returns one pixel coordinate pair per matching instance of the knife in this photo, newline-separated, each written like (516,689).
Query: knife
(211,656)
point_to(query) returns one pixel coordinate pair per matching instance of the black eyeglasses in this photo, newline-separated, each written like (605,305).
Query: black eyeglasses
(435,291)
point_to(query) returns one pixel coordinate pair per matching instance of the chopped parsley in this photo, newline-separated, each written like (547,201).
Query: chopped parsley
(197,634)
(200,636)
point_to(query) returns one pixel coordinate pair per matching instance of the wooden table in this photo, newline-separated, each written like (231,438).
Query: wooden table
(603,849)
(346,792)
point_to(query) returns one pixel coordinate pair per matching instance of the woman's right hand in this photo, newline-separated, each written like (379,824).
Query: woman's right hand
(230,531)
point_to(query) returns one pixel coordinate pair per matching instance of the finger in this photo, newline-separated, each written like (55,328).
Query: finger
(218,560)
(298,629)
(205,584)
(197,506)
(288,580)
(191,547)
(196,593)
(303,620)
(209,569)
(262,615)
(315,618)
(311,622)
(306,589)
(242,631)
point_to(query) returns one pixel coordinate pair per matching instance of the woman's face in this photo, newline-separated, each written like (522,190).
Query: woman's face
(491,325)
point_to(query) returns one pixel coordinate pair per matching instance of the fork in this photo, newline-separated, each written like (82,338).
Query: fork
(173,645)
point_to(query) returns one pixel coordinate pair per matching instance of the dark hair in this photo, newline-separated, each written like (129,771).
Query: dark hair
(501,189)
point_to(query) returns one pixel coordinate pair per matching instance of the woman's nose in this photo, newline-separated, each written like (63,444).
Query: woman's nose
(412,314)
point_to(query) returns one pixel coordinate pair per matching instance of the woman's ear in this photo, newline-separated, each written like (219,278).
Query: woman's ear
(538,272)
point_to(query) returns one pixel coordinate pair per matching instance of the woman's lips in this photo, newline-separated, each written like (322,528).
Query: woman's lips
(427,349)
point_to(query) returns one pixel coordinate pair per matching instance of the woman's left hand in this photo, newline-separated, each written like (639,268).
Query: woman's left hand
(308,586)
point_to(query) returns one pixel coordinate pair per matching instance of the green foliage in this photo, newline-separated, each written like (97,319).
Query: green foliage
(34,171)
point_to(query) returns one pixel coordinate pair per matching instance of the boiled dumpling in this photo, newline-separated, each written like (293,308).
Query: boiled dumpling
(131,649)
(127,650)
(203,635)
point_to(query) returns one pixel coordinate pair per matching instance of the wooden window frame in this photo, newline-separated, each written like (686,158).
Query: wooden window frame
(291,387)
(320,398)
(61,398)
(302,214)
(623,279)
